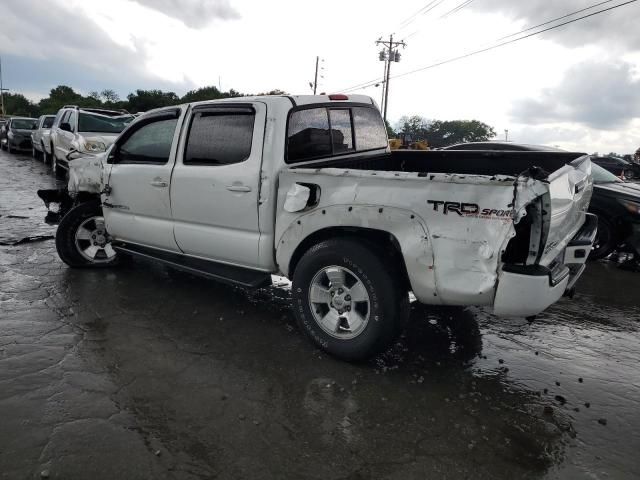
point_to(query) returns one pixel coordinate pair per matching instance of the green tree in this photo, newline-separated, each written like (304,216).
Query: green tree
(450,132)
(19,105)
(143,100)
(442,133)
(109,96)
(59,97)
(415,126)
(204,93)
(390,131)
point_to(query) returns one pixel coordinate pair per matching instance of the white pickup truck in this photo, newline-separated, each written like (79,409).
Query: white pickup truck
(306,187)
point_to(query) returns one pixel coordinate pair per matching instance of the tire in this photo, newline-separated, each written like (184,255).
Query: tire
(55,168)
(606,240)
(75,244)
(45,155)
(352,330)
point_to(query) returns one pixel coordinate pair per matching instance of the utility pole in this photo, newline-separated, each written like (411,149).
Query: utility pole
(2,90)
(315,78)
(390,54)
(318,73)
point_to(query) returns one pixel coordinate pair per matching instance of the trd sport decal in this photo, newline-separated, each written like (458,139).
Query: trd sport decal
(469,210)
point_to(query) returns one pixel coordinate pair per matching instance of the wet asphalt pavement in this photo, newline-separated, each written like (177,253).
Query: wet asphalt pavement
(140,373)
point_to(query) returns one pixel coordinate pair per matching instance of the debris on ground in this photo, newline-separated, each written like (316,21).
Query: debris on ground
(21,241)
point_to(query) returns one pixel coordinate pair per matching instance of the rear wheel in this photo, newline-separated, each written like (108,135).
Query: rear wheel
(605,241)
(82,239)
(347,300)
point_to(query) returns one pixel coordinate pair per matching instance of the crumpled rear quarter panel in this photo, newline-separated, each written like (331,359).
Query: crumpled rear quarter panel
(452,254)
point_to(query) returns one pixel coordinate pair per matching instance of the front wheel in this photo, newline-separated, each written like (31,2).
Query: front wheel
(82,239)
(347,301)
(45,155)
(55,168)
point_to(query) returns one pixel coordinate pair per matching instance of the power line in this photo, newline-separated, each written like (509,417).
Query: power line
(423,11)
(554,20)
(451,12)
(456,9)
(493,47)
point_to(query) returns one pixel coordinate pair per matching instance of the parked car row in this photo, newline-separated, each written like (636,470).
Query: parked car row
(72,133)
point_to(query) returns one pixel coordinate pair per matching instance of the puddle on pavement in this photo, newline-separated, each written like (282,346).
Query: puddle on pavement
(508,393)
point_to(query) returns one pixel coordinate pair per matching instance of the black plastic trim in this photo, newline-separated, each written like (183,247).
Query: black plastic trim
(197,266)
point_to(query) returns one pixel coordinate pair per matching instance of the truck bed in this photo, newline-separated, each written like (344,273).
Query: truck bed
(458,162)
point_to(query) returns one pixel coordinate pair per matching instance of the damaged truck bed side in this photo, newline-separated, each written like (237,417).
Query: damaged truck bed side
(307,187)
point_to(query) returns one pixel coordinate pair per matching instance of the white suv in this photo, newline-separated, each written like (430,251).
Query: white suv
(79,132)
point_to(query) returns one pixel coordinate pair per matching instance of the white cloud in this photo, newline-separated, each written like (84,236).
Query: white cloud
(595,94)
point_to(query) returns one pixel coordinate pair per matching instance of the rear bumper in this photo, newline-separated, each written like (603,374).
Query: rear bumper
(528,290)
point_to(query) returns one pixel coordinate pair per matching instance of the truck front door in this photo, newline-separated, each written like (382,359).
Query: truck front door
(137,208)
(216,181)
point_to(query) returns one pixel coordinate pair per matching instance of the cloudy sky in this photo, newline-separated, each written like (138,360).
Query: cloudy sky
(577,87)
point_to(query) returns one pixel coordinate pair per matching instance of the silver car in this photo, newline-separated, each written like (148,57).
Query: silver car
(40,142)
(84,132)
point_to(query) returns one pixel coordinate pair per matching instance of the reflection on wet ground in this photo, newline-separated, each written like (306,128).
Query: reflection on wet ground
(144,372)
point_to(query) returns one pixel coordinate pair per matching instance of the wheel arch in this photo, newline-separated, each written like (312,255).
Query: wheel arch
(393,230)
(379,241)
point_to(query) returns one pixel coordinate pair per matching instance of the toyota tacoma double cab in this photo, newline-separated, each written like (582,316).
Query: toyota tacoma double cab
(307,187)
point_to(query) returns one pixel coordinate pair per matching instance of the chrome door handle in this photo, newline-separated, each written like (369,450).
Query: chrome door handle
(156,183)
(238,188)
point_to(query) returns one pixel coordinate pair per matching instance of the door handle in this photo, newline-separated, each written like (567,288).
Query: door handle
(157,183)
(238,188)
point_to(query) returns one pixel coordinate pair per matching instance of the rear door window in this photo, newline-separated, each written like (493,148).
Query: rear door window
(219,137)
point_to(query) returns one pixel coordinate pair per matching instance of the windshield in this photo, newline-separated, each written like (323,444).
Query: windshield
(23,124)
(600,175)
(48,122)
(94,122)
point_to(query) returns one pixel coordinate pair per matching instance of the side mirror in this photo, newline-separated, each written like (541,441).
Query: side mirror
(34,127)
(65,126)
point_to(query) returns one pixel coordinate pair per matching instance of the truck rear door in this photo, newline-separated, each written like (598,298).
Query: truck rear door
(216,181)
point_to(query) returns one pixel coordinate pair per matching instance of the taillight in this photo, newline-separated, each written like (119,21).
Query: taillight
(338,96)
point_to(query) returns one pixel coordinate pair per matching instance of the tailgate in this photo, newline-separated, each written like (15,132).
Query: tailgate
(564,207)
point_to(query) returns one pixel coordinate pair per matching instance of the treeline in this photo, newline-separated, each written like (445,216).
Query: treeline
(438,133)
(442,133)
(139,101)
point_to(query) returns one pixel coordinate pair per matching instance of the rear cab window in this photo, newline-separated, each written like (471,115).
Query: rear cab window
(327,131)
